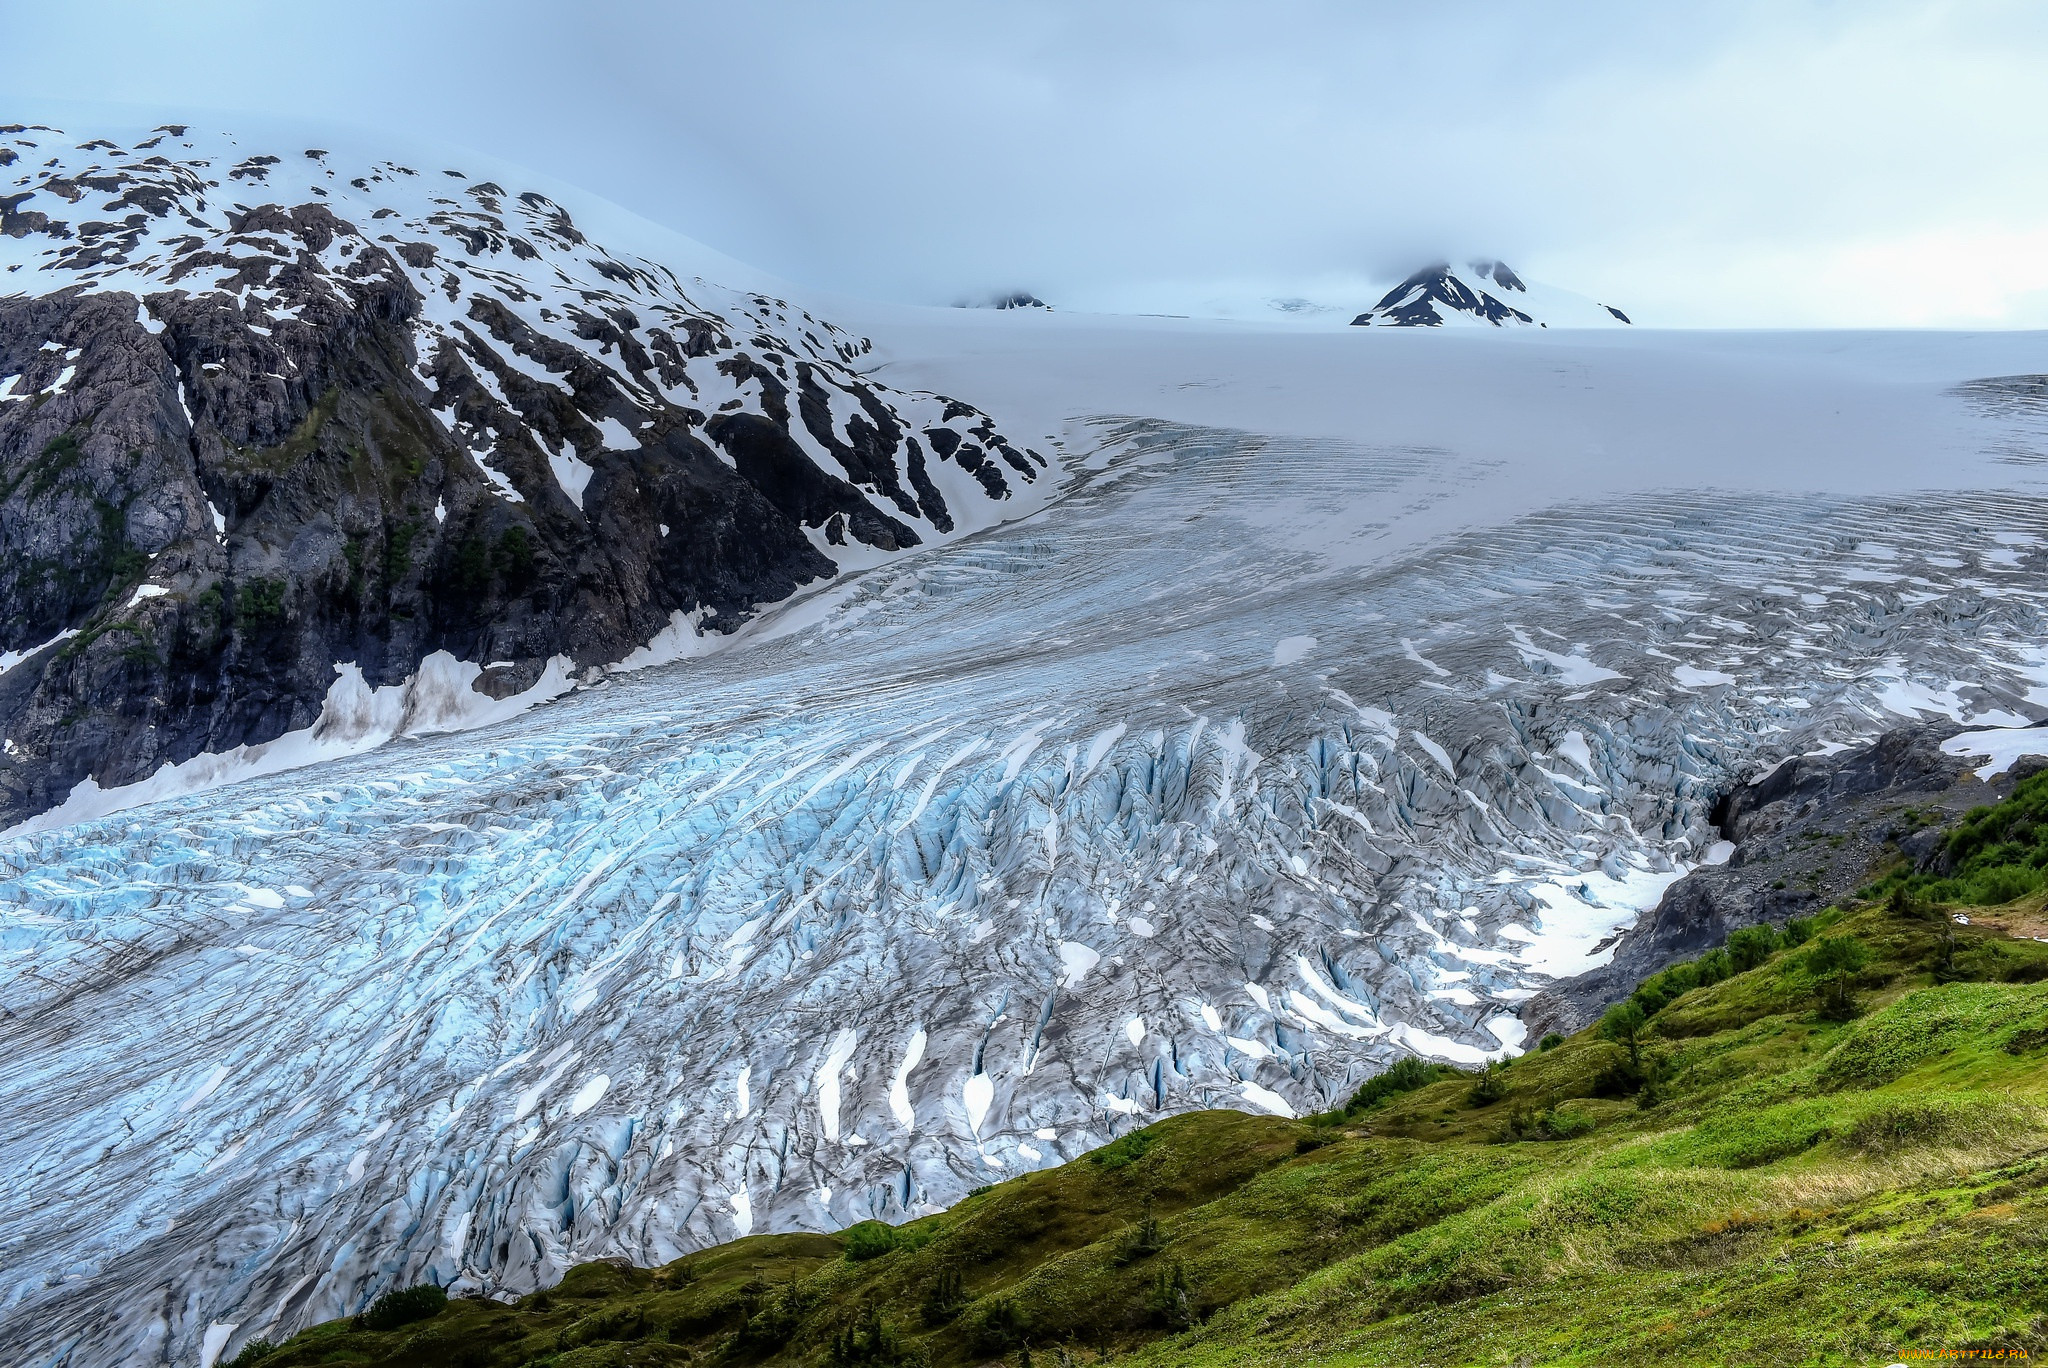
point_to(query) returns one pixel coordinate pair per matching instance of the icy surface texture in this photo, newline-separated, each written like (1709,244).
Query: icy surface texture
(1177,795)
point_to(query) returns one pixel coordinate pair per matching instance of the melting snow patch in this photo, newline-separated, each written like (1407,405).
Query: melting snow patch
(1579,915)
(1574,670)
(1572,746)
(1076,960)
(683,639)
(828,1079)
(616,437)
(572,473)
(214,1341)
(899,1086)
(976,1094)
(10,659)
(354,718)
(1408,650)
(1436,753)
(206,1089)
(2002,745)
(1266,1099)
(1289,650)
(589,1094)
(501,483)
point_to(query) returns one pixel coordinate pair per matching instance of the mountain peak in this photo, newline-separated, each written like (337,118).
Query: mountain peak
(1438,294)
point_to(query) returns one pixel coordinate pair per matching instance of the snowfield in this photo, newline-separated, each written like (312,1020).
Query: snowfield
(1354,686)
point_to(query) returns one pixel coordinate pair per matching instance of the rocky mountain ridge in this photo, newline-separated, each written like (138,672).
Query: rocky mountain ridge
(270,414)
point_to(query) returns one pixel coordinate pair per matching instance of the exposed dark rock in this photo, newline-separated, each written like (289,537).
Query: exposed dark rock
(1416,301)
(1806,833)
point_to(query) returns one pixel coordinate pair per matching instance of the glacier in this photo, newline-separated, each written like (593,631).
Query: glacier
(1258,757)
(1108,813)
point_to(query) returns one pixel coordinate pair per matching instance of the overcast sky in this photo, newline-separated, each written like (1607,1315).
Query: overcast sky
(1786,162)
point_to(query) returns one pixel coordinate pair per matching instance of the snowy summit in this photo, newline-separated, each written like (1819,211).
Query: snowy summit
(1494,295)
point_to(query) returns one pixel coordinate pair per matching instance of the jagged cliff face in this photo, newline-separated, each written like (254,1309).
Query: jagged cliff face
(266,415)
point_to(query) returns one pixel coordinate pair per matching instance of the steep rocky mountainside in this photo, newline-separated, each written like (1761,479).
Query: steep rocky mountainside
(268,414)
(1437,294)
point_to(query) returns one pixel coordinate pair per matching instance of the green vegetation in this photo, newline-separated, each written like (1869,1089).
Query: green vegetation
(1827,1145)
(402,1307)
(514,559)
(260,603)
(1994,856)
(302,442)
(469,569)
(398,550)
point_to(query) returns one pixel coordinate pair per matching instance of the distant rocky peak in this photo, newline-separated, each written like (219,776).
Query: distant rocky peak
(1006,299)
(1439,294)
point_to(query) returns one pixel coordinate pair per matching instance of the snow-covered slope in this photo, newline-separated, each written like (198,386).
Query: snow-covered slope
(1361,683)
(1487,293)
(303,439)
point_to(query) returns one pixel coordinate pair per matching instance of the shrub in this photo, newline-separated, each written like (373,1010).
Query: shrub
(1751,946)
(1623,1024)
(254,1352)
(1124,1151)
(1527,1123)
(870,1240)
(1798,931)
(1551,1041)
(869,1340)
(943,1299)
(999,1326)
(780,1311)
(469,569)
(1490,1087)
(1922,1026)
(513,557)
(2026,1040)
(403,1307)
(1406,1075)
(1832,965)
(260,602)
(1170,1305)
(1141,1240)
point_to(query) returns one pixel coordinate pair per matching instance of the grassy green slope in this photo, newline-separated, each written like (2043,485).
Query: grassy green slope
(1813,1160)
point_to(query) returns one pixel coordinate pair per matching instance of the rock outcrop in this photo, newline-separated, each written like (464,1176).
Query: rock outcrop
(1804,834)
